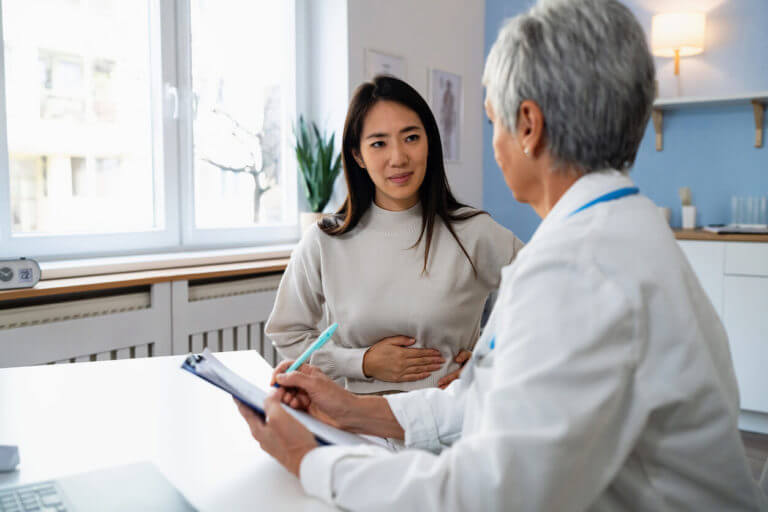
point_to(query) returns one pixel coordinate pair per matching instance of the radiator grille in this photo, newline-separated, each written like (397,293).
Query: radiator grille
(232,288)
(110,355)
(241,337)
(133,323)
(70,310)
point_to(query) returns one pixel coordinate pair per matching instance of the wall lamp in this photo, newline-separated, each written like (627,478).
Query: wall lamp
(677,34)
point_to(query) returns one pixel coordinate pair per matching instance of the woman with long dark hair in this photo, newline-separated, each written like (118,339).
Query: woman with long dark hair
(403,267)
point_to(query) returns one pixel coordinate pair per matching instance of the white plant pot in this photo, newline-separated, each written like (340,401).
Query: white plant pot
(689,217)
(306,219)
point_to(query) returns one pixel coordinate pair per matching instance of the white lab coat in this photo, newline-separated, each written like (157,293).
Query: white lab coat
(610,387)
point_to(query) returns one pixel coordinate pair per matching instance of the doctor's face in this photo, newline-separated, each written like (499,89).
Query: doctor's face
(519,175)
(393,150)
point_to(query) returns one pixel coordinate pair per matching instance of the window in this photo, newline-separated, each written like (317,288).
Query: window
(145,125)
(242,96)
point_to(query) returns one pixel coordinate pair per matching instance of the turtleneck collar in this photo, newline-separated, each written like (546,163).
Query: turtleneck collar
(386,221)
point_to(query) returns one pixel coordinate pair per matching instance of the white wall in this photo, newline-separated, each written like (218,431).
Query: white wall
(441,34)
(322,73)
(322,68)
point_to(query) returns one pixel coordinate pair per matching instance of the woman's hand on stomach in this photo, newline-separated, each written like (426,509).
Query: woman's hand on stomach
(392,360)
(461,358)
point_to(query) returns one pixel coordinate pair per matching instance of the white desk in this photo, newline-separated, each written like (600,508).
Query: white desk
(72,418)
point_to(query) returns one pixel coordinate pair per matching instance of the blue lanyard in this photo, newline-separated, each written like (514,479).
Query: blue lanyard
(610,196)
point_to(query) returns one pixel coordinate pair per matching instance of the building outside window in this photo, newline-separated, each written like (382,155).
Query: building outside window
(114,142)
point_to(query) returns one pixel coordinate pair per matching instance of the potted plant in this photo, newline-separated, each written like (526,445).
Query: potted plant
(318,169)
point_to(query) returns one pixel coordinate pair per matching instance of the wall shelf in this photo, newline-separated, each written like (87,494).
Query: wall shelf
(759,100)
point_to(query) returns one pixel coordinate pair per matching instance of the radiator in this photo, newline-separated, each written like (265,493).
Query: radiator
(170,318)
(232,288)
(241,337)
(15,318)
(239,302)
(132,352)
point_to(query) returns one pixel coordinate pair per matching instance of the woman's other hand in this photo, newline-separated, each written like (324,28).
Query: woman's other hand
(392,360)
(462,357)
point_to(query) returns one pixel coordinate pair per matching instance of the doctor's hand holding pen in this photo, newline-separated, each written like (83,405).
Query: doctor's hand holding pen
(309,389)
(323,399)
(284,437)
(393,360)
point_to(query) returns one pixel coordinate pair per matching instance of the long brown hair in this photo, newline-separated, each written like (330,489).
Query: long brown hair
(435,193)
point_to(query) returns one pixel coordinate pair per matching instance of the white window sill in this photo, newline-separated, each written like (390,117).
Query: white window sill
(96,266)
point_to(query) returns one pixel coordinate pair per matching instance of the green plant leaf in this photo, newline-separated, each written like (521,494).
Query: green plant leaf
(318,164)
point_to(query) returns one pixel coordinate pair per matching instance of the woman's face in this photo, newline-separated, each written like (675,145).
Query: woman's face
(393,149)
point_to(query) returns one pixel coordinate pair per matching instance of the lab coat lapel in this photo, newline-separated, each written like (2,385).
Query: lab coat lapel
(584,190)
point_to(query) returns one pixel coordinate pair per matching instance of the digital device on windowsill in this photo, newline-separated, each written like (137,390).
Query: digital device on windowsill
(19,273)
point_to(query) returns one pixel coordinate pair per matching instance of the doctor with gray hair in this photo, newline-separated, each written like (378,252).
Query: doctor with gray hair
(603,379)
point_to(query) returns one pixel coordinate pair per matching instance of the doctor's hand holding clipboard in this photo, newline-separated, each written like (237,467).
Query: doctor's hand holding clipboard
(306,388)
(309,389)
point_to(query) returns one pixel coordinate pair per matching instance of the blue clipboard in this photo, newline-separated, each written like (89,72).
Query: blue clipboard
(190,365)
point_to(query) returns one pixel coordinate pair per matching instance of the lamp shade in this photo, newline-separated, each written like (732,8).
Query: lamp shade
(678,31)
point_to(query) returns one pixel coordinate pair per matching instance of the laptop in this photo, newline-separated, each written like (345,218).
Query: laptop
(133,487)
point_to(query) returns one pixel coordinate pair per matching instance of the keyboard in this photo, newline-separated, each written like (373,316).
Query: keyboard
(38,497)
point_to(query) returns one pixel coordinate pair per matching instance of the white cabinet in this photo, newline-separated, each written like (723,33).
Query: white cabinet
(746,320)
(708,262)
(735,277)
(746,259)
(745,315)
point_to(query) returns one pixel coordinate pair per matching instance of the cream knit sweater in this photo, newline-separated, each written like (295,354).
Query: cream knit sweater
(370,281)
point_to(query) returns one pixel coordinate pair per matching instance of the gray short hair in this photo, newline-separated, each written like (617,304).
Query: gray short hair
(587,65)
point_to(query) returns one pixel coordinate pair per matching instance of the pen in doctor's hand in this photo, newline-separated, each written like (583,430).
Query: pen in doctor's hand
(321,340)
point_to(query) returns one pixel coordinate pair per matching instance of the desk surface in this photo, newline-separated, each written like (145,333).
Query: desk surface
(79,417)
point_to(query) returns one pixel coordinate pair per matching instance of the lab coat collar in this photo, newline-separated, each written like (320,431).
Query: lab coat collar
(585,189)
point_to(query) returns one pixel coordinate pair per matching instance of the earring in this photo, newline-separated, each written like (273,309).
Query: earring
(527,151)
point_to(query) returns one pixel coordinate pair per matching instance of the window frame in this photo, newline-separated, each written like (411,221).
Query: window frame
(171,128)
(252,235)
(5,177)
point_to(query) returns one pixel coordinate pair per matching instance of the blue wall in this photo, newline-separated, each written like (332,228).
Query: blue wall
(709,149)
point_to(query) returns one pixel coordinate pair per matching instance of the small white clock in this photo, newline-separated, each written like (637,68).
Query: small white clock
(20,273)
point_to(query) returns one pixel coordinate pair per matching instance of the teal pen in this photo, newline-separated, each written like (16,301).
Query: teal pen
(321,340)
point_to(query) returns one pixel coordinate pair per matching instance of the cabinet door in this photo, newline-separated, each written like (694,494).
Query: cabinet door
(746,259)
(707,260)
(745,317)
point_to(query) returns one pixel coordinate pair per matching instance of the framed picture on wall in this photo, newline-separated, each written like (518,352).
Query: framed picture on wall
(446,98)
(377,63)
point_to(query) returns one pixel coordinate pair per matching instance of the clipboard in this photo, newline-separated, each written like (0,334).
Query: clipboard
(213,371)
(190,364)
